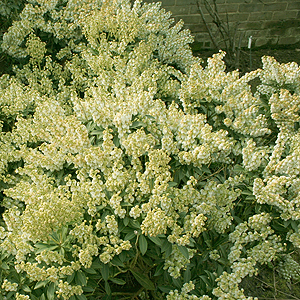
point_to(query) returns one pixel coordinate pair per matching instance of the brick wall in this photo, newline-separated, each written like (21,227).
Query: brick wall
(275,22)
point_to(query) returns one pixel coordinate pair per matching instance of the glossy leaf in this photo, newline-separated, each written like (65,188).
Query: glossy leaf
(50,291)
(184,251)
(143,280)
(159,269)
(187,275)
(156,240)
(107,288)
(81,297)
(143,244)
(80,278)
(105,271)
(165,288)
(118,281)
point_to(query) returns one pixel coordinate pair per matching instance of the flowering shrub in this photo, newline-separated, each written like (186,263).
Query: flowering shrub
(129,170)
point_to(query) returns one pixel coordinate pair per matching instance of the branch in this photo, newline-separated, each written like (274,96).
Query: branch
(205,23)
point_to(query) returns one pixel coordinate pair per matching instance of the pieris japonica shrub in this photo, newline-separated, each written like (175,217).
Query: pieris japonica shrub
(130,171)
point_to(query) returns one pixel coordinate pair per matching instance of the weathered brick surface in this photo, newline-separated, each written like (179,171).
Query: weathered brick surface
(267,21)
(294,5)
(249,7)
(262,15)
(178,10)
(285,15)
(234,17)
(275,6)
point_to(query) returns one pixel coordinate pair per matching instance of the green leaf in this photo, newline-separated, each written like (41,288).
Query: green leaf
(165,288)
(156,240)
(151,183)
(129,236)
(107,288)
(166,248)
(70,277)
(246,192)
(62,251)
(88,289)
(4,266)
(143,244)
(81,297)
(10,294)
(55,237)
(177,282)
(117,281)
(184,251)
(105,271)
(211,276)
(143,280)
(205,279)
(206,169)
(50,291)
(187,275)
(80,278)
(116,261)
(89,271)
(96,264)
(49,248)
(159,269)
(41,245)
(294,225)
(150,117)
(165,244)
(26,288)
(137,124)
(172,183)
(220,270)
(126,204)
(43,297)
(99,133)
(116,141)
(134,224)
(237,219)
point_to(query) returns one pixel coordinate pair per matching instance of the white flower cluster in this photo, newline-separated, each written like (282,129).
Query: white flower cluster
(9,286)
(230,95)
(22,297)
(35,48)
(273,192)
(177,261)
(125,124)
(183,295)
(269,245)
(288,268)
(34,18)
(66,290)
(278,76)
(253,157)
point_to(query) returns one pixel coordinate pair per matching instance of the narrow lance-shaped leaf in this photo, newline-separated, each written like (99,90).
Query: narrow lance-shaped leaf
(143,244)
